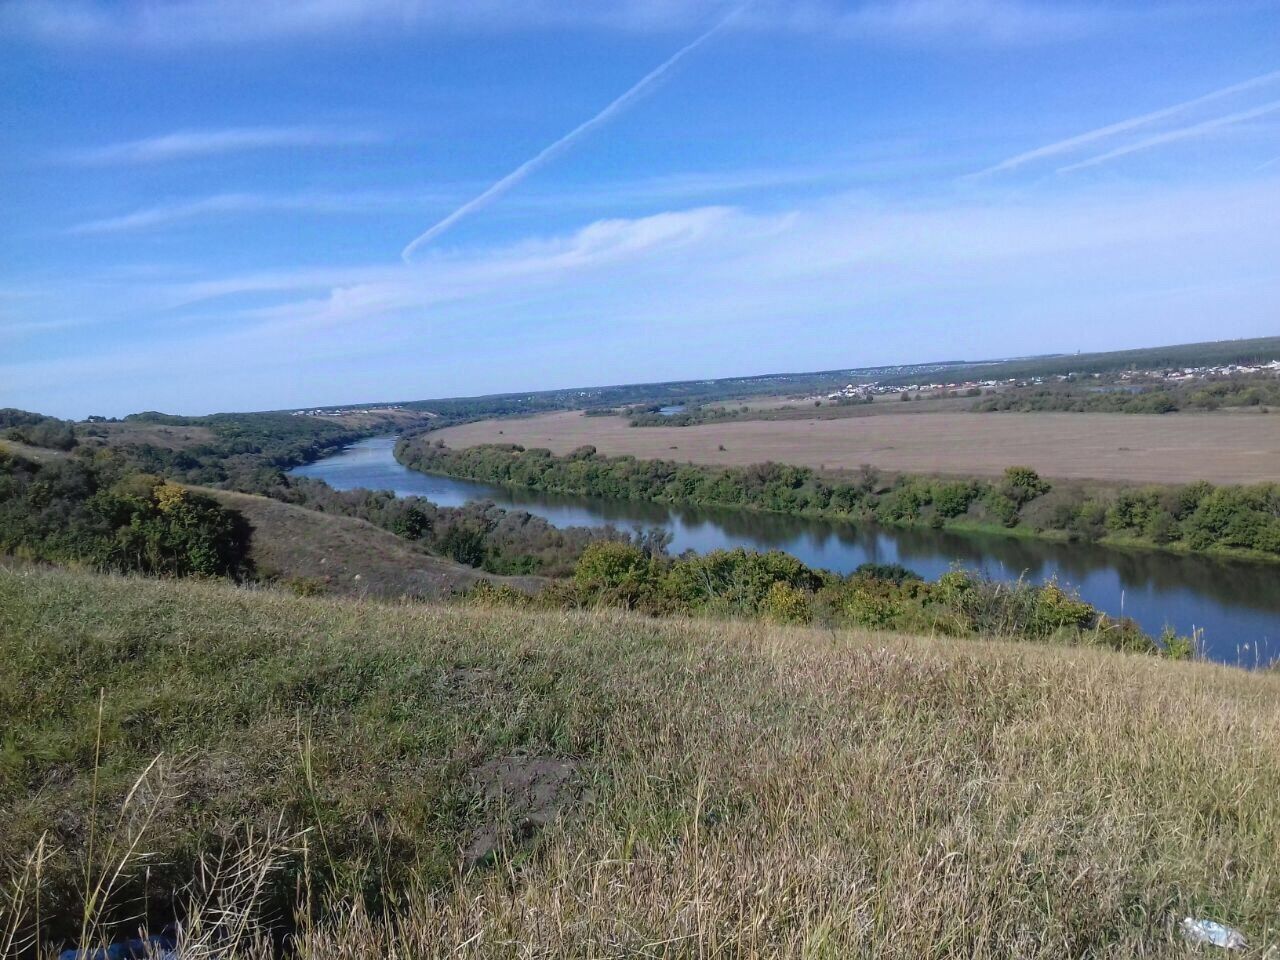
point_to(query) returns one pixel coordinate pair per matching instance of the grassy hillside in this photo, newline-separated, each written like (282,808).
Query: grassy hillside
(498,783)
(322,552)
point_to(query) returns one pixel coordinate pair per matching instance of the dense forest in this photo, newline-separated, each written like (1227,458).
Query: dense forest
(652,415)
(101,514)
(1197,517)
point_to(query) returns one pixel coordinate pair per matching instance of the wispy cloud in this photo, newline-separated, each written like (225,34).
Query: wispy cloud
(186,144)
(995,21)
(832,270)
(642,192)
(186,22)
(1125,126)
(692,186)
(637,91)
(233,204)
(1174,136)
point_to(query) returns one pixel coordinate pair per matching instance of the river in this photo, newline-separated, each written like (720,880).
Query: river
(1236,604)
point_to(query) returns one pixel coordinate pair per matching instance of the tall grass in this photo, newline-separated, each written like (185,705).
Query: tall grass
(737,789)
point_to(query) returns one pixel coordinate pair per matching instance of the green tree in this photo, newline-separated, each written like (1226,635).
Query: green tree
(1022,485)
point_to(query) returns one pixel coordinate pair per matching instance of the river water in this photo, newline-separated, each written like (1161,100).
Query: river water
(1235,604)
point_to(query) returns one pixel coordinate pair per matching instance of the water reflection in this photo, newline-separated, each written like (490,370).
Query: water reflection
(1237,605)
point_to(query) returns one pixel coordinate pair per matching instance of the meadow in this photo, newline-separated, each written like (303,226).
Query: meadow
(389,780)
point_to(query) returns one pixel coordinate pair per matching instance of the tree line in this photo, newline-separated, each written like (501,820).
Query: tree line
(479,534)
(779,588)
(1225,393)
(245,448)
(37,430)
(1198,516)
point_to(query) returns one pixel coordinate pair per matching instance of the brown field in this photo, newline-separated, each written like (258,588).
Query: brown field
(1097,446)
(888,405)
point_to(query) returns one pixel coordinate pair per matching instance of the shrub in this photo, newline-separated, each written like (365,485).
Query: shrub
(1022,485)
(1002,509)
(609,565)
(486,593)
(84,512)
(891,572)
(464,544)
(953,499)
(1056,609)
(785,604)
(866,606)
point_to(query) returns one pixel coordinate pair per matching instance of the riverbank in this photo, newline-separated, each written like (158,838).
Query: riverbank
(1241,523)
(1233,606)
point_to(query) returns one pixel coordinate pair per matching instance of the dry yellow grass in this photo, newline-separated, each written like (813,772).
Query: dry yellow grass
(39,454)
(346,555)
(743,790)
(1113,447)
(157,434)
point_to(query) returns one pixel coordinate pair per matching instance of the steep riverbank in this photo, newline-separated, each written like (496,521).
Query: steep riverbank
(1234,605)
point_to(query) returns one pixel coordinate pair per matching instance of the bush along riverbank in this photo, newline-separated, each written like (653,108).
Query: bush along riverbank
(1233,520)
(778,588)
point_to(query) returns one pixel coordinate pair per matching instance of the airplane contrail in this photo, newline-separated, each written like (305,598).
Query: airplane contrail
(1173,136)
(550,153)
(1063,146)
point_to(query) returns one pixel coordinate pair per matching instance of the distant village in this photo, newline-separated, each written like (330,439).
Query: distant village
(347,411)
(864,392)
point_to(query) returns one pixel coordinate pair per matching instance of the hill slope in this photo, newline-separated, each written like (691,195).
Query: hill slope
(667,788)
(346,555)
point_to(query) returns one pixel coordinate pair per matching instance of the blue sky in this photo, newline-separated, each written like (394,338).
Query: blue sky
(212,204)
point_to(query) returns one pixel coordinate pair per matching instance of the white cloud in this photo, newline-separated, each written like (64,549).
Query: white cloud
(185,22)
(646,191)
(234,204)
(185,144)
(838,281)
